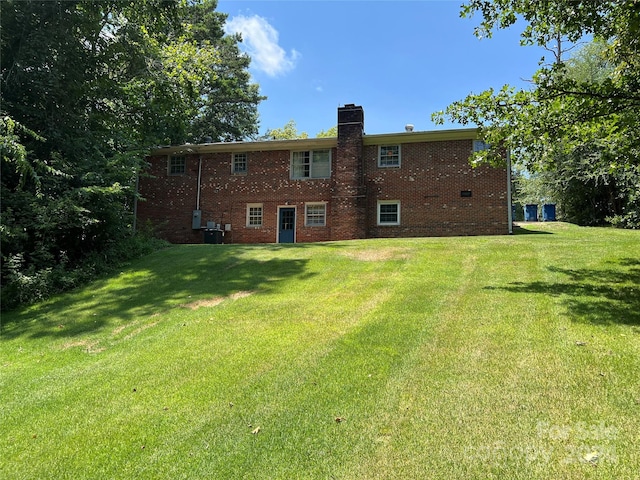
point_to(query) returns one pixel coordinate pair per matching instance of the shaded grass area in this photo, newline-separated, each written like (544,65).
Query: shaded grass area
(475,357)
(596,295)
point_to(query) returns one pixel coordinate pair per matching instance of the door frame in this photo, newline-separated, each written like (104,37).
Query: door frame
(295,221)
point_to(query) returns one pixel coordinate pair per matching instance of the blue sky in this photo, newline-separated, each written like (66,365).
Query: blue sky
(400,60)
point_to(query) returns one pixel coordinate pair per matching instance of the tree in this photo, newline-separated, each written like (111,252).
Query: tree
(331,132)
(88,87)
(288,132)
(228,109)
(586,194)
(590,123)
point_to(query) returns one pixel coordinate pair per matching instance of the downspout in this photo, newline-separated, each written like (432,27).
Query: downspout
(509,206)
(199,179)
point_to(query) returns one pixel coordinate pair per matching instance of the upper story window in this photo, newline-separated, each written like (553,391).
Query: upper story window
(311,164)
(177,165)
(239,163)
(479,145)
(389,156)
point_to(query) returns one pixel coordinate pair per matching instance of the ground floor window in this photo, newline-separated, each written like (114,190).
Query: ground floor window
(388,212)
(254,215)
(315,214)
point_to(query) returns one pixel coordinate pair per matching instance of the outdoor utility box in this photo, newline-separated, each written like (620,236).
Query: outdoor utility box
(196,219)
(549,212)
(531,213)
(213,236)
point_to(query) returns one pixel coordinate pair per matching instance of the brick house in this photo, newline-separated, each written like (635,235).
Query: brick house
(405,184)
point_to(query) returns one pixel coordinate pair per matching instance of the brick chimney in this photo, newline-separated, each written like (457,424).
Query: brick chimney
(349,203)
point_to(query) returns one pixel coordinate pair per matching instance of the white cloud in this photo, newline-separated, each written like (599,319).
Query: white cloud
(261,43)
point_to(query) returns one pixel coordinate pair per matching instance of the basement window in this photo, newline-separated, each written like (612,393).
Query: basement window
(315,214)
(177,165)
(465,193)
(388,212)
(254,215)
(389,156)
(239,163)
(311,164)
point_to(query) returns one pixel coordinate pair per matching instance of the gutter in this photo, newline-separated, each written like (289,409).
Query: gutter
(316,143)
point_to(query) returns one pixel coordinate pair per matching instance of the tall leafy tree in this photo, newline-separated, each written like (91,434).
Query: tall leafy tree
(589,123)
(228,110)
(587,191)
(88,87)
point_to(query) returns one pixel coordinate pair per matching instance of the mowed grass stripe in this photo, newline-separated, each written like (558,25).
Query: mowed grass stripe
(506,391)
(418,358)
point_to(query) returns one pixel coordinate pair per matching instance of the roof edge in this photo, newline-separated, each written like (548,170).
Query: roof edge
(322,142)
(423,136)
(259,146)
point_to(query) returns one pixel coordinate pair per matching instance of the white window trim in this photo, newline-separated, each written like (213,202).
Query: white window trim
(311,152)
(388,202)
(306,205)
(255,205)
(233,163)
(380,156)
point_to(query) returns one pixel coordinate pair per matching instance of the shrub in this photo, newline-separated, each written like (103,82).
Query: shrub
(27,286)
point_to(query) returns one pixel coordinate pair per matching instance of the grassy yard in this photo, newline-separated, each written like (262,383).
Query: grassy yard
(478,357)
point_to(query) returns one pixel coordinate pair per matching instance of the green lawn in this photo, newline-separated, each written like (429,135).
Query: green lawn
(477,357)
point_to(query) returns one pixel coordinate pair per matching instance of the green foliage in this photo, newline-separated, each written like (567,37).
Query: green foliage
(532,188)
(581,117)
(88,87)
(331,132)
(13,152)
(29,285)
(288,132)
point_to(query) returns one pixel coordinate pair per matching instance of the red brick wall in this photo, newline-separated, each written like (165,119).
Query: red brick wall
(428,185)
(168,201)
(224,196)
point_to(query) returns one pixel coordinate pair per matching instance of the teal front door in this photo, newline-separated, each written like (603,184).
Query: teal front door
(286,225)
